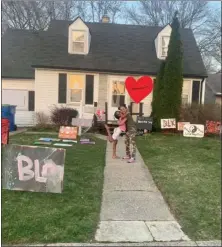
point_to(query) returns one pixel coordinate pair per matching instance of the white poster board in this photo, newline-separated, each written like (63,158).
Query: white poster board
(193,130)
(168,123)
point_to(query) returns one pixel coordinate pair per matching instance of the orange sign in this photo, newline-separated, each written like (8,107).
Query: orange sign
(68,132)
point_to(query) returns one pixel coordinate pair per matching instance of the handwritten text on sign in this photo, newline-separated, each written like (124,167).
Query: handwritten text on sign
(30,168)
(168,123)
(193,130)
(144,123)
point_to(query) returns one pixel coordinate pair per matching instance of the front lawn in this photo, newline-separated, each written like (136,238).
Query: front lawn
(30,217)
(188,173)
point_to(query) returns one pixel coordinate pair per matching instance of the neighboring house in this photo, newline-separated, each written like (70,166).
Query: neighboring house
(213,89)
(77,61)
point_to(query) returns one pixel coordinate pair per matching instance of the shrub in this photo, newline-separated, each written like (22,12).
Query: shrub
(42,119)
(199,114)
(62,116)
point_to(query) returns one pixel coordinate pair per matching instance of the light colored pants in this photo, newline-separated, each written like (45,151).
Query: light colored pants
(116,133)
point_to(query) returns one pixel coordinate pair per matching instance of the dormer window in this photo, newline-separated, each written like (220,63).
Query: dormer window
(165,44)
(79,38)
(78,41)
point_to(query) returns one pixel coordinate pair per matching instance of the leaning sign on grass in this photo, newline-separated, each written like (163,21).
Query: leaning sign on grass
(180,125)
(193,130)
(31,168)
(68,132)
(144,123)
(213,127)
(168,123)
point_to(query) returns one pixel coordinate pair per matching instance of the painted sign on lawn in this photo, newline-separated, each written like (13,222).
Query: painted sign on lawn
(180,125)
(193,130)
(213,127)
(82,122)
(144,123)
(168,123)
(68,132)
(5,131)
(31,168)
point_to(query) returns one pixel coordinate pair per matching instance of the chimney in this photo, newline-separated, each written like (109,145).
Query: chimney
(105,18)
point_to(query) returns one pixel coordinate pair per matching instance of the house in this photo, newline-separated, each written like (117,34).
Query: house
(213,89)
(76,61)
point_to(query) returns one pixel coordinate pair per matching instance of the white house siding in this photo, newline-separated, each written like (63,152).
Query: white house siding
(23,117)
(46,91)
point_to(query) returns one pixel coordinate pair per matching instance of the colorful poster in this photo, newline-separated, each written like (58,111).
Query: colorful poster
(193,130)
(31,168)
(213,127)
(180,125)
(168,123)
(68,132)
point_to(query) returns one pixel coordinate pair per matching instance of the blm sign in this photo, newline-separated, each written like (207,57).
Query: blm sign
(144,123)
(31,168)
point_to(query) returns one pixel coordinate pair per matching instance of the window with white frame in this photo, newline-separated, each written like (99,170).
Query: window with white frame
(76,87)
(164,44)
(78,41)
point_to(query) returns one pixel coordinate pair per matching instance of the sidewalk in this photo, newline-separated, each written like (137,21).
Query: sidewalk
(133,209)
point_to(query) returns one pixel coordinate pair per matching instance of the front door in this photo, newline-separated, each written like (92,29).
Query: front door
(117,95)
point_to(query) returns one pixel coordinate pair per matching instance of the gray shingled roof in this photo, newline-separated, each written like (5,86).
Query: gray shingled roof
(114,48)
(214,82)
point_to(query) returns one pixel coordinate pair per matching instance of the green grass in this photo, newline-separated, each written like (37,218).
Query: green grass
(188,173)
(49,218)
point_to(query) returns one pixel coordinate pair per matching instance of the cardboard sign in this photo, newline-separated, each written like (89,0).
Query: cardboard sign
(5,131)
(82,122)
(31,168)
(213,127)
(68,132)
(144,123)
(168,123)
(180,125)
(193,130)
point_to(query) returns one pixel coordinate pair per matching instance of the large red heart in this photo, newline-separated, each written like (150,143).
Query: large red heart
(139,89)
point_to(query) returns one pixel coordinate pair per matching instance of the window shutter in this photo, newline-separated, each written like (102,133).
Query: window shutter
(89,89)
(196,92)
(62,88)
(31,98)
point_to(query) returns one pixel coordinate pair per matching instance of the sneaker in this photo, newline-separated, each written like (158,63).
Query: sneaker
(132,160)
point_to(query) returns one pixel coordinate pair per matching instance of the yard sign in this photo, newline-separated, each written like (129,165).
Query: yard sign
(31,168)
(68,132)
(180,125)
(168,123)
(193,130)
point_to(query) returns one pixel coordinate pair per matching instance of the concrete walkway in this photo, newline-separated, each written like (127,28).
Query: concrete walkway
(133,209)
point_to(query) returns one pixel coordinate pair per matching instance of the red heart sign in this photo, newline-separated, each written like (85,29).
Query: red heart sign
(139,89)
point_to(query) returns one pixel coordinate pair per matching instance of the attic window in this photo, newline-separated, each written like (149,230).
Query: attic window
(78,41)
(165,44)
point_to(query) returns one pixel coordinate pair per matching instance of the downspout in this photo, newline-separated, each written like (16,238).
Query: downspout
(202,90)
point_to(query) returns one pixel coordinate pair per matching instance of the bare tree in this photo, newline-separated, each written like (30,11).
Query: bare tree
(99,8)
(210,38)
(36,15)
(159,13)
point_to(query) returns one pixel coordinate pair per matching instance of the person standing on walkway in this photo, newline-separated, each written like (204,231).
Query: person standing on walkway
(130,140)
